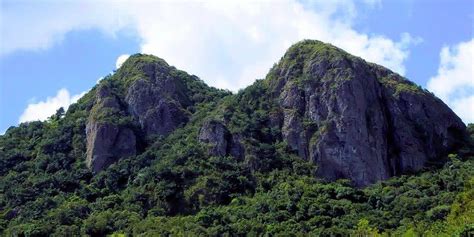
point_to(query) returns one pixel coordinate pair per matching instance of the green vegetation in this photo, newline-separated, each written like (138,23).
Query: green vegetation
(306,59)
(300,60)
(143,66)
(289,204)
(136,68)
(174,188)
(400,85)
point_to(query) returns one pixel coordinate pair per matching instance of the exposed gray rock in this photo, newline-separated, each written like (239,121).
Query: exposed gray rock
(354,119)
(107,141)
(366,123)
(293,104)
(156,104)
(236,148)
(215,134)
(148,92)
(158,100)
(220,141)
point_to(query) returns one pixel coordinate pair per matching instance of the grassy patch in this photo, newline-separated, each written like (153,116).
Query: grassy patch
(401,85)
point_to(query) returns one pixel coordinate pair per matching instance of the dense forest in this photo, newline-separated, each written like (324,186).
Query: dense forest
(174,186)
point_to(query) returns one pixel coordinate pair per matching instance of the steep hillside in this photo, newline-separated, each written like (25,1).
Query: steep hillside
(152,149)
(357,120)
(354,120)
(144,100)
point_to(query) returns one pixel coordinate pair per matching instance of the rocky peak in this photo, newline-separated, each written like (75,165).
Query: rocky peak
(354,119)
(357,120)
(158,96)
(145,93)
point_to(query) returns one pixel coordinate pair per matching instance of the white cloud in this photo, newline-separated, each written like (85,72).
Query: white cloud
(464,107)
(44,109)
(454,83)
(98,80)
(120,60)
(36,25)
(226,43)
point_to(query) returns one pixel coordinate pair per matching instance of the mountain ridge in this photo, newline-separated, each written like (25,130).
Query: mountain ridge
(326,144)
(316,84)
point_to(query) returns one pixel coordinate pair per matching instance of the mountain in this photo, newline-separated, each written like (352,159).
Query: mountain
(353,119)
(146,93)
(151,147)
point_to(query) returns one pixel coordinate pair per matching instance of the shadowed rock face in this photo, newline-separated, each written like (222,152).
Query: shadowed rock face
(107,140)
(366,122)
(107,143)
(146,94)
(157,101)
(219,140)
(152,100)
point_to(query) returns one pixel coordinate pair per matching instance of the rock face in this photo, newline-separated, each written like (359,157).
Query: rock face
(107,140)
(145,94)
(356,120)
(156,115)
(157,100)
(107,143)
(153,100)
(219,140)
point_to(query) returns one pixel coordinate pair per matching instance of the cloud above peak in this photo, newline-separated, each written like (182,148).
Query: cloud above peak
(43,109)
(454,83)
(120,60)
(227,43)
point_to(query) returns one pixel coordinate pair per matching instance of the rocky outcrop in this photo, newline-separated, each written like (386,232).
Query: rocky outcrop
(151,103)
(359,121)
(146,94)
(355,120)
(158,96)
(107,139)
(107,143)
(219,140)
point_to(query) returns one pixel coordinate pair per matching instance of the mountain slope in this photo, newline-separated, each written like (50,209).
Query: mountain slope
(152,147)
(146,98)
(363,122)
(353,119)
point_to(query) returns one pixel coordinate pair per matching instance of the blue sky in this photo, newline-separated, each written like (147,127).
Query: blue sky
(53,51)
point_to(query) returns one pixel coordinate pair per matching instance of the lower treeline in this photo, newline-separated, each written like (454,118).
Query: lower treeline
(174,189)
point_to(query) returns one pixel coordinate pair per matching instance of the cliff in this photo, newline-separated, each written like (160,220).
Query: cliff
(354,120)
